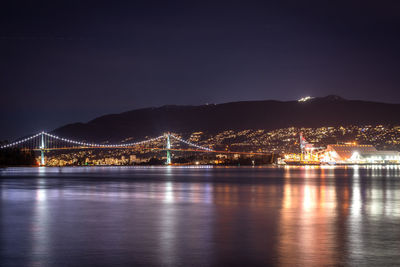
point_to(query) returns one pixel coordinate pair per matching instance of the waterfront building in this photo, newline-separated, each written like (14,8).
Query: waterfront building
(377,157)
(343,152)
(359,154)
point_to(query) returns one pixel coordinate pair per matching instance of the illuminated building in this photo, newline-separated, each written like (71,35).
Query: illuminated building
(377,157)
(343,153)
(348,153)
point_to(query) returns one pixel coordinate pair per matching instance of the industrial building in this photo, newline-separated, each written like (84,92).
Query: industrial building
(348,153)
(359,154)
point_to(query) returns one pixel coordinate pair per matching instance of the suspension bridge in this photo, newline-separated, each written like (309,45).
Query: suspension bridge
(44,142)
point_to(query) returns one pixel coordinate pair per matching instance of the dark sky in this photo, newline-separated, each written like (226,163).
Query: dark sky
(62,62)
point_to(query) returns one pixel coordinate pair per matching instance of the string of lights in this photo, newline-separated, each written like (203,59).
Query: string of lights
(104,145)
(16,143)
(21,141)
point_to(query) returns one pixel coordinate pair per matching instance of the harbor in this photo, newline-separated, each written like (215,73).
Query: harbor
(349,153)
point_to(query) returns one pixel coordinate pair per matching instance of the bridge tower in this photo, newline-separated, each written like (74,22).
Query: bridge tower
(42,148)
(168,162)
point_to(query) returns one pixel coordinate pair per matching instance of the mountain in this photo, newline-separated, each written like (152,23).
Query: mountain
(269,114)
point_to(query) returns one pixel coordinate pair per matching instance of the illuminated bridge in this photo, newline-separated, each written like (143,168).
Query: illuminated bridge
(44,141)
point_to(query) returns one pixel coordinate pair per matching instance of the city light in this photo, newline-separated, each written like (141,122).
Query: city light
(304,99)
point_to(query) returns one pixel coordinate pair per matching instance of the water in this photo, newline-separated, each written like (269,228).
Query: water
(199,216)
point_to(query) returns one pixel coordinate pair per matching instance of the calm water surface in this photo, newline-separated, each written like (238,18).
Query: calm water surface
(199,216)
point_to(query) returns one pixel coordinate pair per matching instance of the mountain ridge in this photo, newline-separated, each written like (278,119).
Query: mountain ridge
(330,110)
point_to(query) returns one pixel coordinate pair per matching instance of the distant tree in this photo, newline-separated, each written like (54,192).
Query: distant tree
(16,157)
(182,160)
(155,161)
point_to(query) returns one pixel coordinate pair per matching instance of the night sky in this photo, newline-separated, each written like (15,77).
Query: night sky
(63,62)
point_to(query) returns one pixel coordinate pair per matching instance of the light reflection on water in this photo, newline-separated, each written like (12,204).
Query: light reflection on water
(200,216)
